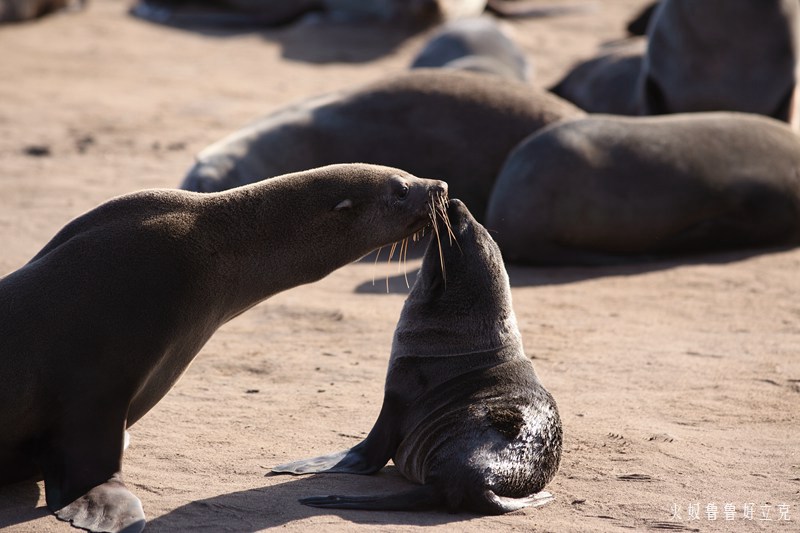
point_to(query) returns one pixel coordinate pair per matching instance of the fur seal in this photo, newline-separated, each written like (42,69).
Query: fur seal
(714,55)
(639,23)
(100,324)
(606,83)
(457,126)
(22,10)
(413,13)
(477,44)
(280,12)
(463,414)
(607,189)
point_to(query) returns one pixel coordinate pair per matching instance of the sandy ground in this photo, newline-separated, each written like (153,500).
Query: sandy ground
(678,383)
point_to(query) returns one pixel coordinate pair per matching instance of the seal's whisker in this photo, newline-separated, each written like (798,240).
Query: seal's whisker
(375,264)
(443,214)
(442,211)
(389,262)
(405,264)
(403,245)
(438,239)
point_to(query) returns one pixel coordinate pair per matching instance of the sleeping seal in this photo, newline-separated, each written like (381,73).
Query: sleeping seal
(100,324)
(463,414)
(476,44)
(607,189)
(457,126)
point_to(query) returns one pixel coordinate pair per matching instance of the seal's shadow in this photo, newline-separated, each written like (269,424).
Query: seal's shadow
(18,504)
(311,41)
(521,276)
(276,505)
(340,42)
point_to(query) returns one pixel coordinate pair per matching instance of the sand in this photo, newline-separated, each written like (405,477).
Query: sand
(678,382)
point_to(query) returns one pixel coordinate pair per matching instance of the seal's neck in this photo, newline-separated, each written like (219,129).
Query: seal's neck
(268,243)
(443,337)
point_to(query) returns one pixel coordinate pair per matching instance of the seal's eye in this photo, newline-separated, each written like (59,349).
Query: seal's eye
(402,191)
(344,204)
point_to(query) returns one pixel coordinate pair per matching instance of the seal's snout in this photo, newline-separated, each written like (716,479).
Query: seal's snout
(439,188)
(456,210)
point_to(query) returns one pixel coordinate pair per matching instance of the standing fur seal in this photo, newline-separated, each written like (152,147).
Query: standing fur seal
(457,126)
(709,55)
(463,413)
(100,324)
(609,189)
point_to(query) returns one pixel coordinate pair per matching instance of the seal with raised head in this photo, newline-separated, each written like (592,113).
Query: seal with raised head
(607,189)
(457,126)
(714,55)
(100,324)
(463,413)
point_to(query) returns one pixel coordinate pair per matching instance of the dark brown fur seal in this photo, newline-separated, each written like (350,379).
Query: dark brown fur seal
(100,324)
(457,126)
(464,414)
(609,189)
(710,55)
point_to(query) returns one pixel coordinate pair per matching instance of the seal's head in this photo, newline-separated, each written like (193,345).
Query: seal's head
(462,285)
(345,211)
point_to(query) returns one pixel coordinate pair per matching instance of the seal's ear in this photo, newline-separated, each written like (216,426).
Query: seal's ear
(344,204)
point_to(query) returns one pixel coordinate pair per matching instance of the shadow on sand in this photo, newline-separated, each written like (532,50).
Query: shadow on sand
(309,40)
(276,505)
(522,276)
(255,509)
(18,504)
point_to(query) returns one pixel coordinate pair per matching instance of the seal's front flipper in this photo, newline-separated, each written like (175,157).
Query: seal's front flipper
(323,463)
(419,499)
(107,507)
(80,463)
(367,457)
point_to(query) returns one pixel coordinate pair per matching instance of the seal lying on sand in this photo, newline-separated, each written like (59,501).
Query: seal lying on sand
(609,189)
(710,55)
(476,44)
(22,10)
(277,12)
(457,126)
(101,323)
(463,413)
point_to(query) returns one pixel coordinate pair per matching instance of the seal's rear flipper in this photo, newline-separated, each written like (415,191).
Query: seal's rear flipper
(503,504)
(421,498)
